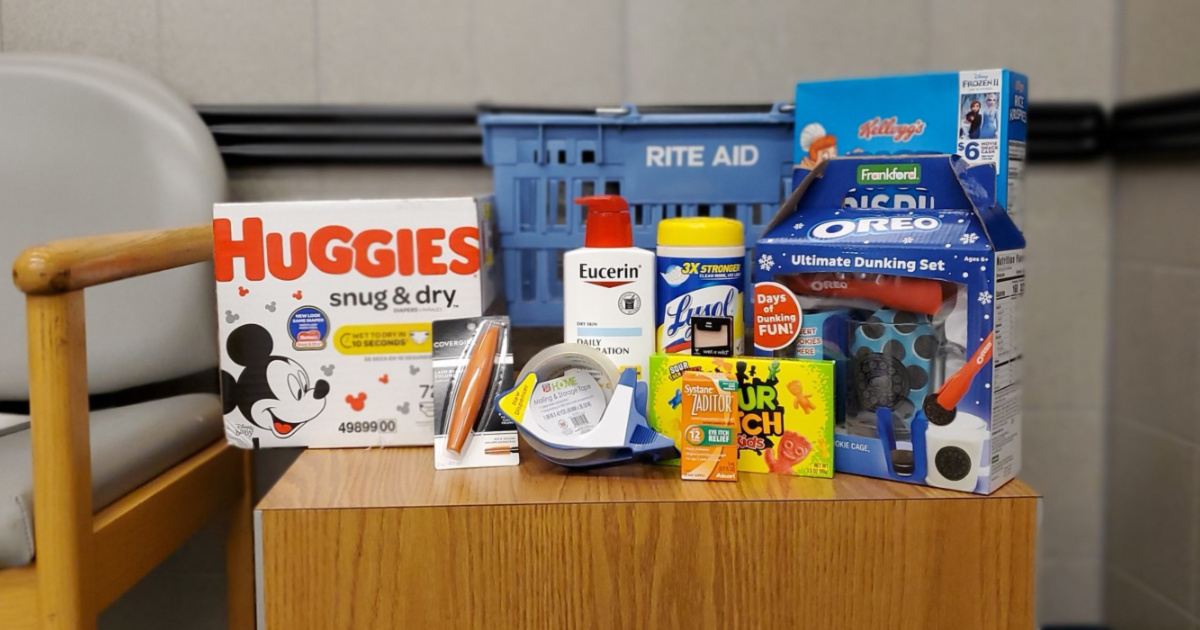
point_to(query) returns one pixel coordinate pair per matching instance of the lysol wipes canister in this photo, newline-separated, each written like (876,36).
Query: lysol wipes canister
(700,272)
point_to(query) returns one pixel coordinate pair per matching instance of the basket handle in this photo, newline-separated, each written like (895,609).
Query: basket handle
(618,110)
(629,109)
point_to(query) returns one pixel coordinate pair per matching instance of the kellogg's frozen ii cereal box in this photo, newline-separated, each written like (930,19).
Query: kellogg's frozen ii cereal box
(325,312)
(977,114)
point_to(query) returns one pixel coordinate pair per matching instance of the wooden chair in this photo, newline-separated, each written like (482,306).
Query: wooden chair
(85,561)
(104,470)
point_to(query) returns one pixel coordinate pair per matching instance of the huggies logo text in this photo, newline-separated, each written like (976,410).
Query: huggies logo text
(839,228)
(338,250)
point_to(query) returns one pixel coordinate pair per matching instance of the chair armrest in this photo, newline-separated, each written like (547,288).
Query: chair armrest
(78,263)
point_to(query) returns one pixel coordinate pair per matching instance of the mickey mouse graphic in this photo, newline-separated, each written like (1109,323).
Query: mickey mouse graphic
(272,392)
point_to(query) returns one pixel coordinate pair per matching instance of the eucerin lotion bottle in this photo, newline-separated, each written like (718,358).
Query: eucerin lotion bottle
(608,287)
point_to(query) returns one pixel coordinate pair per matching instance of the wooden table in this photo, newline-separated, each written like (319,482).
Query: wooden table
(378,539)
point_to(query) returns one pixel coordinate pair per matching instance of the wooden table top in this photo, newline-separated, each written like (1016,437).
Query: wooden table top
(405,477)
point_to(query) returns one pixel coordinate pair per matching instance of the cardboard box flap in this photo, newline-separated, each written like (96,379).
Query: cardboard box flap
(903,188)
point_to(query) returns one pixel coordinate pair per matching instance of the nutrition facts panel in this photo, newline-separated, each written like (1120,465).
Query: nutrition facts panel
(1016,168)
(1010,290)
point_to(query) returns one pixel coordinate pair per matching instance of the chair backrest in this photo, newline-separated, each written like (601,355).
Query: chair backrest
(91,147)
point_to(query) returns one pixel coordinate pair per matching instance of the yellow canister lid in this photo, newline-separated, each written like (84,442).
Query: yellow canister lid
(701,231)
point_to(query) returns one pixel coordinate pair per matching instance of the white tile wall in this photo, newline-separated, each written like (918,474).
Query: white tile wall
(1152,540)
(239,51)
(1152,489)
(1159,54)
(1066,46)
(380,51)
(121,30)
(828,39)
(1065,344)
(1156,366)
(1130,605)
(713,51)
(1157,221)
(1062,458)
(548,52)
(682,51)
(1068,235)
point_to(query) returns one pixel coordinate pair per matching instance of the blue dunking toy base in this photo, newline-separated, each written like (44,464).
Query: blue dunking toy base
(920,424)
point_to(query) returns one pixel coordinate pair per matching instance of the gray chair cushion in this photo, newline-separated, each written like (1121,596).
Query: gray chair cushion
(130,446)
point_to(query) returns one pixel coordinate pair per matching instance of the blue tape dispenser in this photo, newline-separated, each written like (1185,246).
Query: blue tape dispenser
(575,409)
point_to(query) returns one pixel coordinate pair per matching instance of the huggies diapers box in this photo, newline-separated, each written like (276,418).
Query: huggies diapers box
(325,311)
(914,293)
(977,114)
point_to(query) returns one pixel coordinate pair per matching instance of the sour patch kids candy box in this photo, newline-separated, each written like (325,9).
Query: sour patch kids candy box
(785,409)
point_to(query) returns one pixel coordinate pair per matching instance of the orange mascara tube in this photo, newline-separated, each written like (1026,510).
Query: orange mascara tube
(472,388)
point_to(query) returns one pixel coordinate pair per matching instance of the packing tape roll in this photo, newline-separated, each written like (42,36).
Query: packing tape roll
(554,361)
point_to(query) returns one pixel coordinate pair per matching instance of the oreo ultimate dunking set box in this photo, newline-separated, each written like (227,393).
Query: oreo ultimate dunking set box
(325,312)
(977,114)
(914,292)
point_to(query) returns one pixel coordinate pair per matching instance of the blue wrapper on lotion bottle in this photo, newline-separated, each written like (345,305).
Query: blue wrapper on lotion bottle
(608,287)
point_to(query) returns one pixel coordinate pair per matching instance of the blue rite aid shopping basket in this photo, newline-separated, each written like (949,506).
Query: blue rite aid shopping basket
(666,161)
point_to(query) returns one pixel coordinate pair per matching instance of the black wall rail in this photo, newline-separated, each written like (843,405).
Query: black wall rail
(1163,127)
(1063,132)
(325,135)
(303,134)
